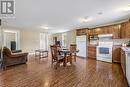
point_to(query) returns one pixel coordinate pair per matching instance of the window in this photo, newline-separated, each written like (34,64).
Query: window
(9,36)
(64,40)
(44,41)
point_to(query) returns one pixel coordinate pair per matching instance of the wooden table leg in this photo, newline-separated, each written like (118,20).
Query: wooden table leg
(70,58)
(64,64)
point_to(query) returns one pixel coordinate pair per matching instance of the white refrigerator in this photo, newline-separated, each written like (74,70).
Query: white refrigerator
(81,45)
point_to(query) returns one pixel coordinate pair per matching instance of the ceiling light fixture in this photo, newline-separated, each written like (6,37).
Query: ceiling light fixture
(85,19)
(44,27)
(127,8)
(100,13)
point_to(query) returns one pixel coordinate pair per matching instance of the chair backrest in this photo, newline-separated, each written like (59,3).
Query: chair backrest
(54,52)
(73,47)
(6,51)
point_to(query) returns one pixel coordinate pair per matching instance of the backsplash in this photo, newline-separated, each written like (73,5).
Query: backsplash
(115,41)
(120,41)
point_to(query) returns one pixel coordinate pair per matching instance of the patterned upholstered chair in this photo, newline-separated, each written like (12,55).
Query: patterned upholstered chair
(73,48)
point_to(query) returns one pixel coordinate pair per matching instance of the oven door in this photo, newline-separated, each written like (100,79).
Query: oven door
(104,51)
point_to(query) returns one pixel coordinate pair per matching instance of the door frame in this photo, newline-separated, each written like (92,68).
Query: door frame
(17,37)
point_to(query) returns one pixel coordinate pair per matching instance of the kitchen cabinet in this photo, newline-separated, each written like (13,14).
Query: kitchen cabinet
(116,31)
(105,30)
(128,67)
(113,29)
(101,30)
(92,52)
(116,54)
(123,62)
(80,32)
(125,30)
(91,32)
(98,31)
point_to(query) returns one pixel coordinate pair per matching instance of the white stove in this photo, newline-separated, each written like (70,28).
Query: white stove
(104,51)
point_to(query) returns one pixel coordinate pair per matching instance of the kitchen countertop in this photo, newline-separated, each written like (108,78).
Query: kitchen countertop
(126,49)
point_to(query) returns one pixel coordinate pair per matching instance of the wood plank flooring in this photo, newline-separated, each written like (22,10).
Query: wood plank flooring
(90,73)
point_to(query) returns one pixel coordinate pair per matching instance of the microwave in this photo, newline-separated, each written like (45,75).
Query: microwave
(93,37)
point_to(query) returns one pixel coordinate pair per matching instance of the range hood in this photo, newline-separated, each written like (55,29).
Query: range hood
(105,36)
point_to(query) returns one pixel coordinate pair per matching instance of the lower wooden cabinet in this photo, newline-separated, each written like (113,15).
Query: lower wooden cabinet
(116,54)
(92,52)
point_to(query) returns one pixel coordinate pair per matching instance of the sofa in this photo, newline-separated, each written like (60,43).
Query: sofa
(13,57)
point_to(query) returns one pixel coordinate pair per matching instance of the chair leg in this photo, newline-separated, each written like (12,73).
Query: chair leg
(57,64)
(4,68)
(71,60)
(52,62)
(75,57)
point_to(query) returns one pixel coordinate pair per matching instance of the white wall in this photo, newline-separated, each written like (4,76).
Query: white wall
(58,35)
(71,37)
(29,40)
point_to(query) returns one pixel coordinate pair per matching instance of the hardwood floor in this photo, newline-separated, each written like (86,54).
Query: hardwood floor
(90,73)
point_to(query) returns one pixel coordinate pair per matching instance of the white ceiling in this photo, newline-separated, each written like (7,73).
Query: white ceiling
(63,15)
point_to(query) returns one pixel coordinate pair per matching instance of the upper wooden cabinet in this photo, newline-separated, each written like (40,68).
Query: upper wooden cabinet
(91,32)
(118,30)
(113,29)
(125,30)
(80,32)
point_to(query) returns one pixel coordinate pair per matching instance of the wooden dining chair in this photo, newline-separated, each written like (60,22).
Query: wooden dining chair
(73,48)
(56,57)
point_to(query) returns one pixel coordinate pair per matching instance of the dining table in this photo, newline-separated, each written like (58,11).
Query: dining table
(65,52)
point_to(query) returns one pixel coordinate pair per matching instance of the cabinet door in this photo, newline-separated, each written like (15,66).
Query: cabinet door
(92,52)
(128,30)
(123,62)
(98,30)
(91,31)
(125,30)
(116,52)
(105,30)
(116,31)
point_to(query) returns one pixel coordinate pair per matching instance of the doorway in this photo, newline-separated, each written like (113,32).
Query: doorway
(44,41)
(11,39)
